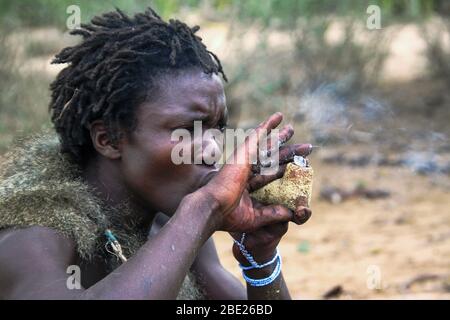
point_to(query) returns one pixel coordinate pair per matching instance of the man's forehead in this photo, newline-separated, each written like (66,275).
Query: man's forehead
(193,84)
(188,93)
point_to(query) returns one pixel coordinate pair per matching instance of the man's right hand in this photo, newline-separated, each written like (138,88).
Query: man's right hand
(237,212)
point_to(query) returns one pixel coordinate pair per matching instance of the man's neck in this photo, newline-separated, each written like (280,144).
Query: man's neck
(103,176)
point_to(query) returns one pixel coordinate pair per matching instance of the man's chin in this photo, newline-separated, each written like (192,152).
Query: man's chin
(171,204)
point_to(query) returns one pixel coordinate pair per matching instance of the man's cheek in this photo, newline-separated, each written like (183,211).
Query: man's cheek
(164,163)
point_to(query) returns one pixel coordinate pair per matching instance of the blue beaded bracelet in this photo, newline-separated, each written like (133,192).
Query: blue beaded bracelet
(250,259)
(264,281)
(260,266)
(254,265)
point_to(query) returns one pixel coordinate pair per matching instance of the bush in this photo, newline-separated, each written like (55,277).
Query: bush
(23,98)
(437,38)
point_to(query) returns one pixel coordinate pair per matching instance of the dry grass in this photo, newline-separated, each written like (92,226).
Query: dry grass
(25,75)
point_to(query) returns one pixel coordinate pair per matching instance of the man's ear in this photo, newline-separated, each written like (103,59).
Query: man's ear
(101,141)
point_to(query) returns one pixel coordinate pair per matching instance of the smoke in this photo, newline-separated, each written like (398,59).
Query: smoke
(325,113)
(334,116)
(426,153)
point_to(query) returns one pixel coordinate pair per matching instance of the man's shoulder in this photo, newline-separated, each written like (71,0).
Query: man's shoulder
(32,259)
(34,241)
(40,186)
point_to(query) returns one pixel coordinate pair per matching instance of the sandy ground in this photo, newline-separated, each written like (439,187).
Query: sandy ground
(372,248)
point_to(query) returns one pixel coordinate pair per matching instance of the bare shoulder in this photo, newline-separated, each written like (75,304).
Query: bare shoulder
(32,256)
(35,241)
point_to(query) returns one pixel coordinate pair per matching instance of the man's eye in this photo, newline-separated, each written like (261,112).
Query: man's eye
(222,128)
(189,128)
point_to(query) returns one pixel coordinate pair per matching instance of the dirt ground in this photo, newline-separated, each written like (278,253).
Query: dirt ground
(395,248)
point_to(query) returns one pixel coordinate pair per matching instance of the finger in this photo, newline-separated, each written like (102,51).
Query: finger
(237,170)
(251,145)
(269,215)
(249,149)
(258,181)
(271,123)
(287,153)
(262,132)
(301,215)
(284,135)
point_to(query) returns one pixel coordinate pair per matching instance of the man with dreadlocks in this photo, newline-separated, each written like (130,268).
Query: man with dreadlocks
(92,194)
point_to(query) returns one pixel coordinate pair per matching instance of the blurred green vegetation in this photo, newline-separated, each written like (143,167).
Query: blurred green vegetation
(283,12)
(307,60)
(34,13)
(286,12)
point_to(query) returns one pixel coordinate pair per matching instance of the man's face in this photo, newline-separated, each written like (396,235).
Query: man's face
(146,163)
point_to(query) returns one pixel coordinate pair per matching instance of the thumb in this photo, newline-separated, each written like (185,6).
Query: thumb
(301,215)
(269,215)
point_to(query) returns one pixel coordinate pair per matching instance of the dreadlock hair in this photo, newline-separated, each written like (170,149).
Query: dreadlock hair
(114,68)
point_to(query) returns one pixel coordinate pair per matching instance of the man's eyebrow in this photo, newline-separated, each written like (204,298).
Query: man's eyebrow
(200,111)
(198,107)
(191,117)
(197,116)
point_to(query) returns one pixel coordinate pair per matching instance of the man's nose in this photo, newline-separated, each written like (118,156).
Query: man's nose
(207,151)
(211,152)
